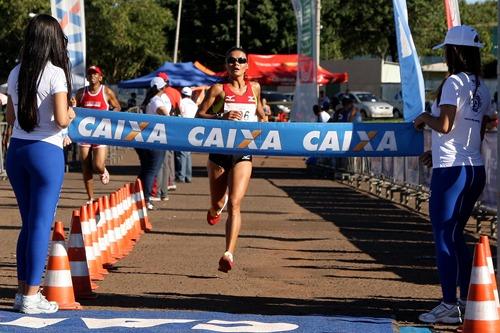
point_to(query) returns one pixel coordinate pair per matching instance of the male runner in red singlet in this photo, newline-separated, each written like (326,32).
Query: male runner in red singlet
(93,157)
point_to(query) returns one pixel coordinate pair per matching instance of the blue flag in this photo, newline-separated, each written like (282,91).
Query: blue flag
(412,81)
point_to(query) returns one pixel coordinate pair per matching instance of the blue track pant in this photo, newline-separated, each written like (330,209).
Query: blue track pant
(36,173)
(454,192)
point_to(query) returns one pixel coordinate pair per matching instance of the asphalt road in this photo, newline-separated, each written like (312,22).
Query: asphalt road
(308,245)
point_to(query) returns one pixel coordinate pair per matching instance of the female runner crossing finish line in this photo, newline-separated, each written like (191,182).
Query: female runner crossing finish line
(239,100)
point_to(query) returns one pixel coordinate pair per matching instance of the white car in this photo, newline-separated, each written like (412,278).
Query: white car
(369,105)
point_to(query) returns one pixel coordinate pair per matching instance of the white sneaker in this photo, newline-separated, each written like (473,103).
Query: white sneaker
(150,206)
(154,199)
(172,187)
(443,313)
(36,304)
(18,301)
(105,177)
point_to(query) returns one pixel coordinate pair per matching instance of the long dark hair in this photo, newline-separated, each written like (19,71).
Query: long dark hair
(462,59)
(149,95)
(44,41)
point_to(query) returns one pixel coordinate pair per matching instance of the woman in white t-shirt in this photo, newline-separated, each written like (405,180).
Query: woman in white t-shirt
(458,119)
(38,109)
(156,103)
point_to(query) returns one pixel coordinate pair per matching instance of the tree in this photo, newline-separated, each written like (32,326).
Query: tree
(126,37)
(483,17)
(208,28)
(14,17)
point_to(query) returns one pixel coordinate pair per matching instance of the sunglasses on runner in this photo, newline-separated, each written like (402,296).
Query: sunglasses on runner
(233,60)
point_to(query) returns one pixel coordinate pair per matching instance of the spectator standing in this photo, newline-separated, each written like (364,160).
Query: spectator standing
(321,115)
(38,110)
(165,179)
(267,109)
(151,159)
(458,119)
(132,101)
(183,163)
(93,156)
(347,113)
(324,101)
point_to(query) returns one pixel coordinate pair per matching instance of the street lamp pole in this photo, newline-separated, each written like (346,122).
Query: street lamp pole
(238,24)
(176,46)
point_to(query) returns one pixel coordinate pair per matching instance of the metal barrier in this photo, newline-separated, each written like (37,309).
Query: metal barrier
(408,179)
(71,155)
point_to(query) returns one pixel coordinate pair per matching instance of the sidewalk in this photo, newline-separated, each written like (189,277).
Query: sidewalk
(308,245)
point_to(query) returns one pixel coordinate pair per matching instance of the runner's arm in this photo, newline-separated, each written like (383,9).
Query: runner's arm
(208,101)
(10,115)
(260,111)
(78,97)
(113,100)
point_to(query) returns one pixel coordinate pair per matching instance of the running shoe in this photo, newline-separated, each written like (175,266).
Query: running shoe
(443,313)
(226,262)
(154,199)
(37,304)
(18,302)
(461,305)
(105,177)
(149,205)
(213,220)
(172,187)
(164,198)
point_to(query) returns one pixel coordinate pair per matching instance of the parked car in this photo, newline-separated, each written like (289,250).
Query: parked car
(278,101)
(369,105)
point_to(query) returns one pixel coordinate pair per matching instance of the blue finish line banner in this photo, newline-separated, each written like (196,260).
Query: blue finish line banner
(233,137)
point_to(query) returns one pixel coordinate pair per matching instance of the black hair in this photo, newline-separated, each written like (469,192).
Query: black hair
(316,109)
(459,59)
(149,95)
(235,48)
(346,100)
(44,41)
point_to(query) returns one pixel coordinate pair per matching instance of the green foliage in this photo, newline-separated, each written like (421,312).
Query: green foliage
(13,18)
(482,16)
(131,37)
(208,28)
(126,37)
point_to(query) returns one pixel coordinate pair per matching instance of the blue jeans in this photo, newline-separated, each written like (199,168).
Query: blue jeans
(166,174)
(454,192)
(183,166)
(151,160)
(36,173)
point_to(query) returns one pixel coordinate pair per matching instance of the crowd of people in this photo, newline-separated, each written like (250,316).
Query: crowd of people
(40,110)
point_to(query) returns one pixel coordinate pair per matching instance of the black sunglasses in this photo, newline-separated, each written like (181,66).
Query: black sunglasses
(233,60)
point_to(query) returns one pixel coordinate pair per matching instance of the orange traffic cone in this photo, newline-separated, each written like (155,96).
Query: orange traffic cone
(58,286)
(114,248)
(141,205)
(82,285)
(95,240)
(481,314)
(489,260)
(92,263)
(119,227)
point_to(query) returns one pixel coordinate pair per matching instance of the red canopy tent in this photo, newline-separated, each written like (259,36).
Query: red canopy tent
(281,69)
